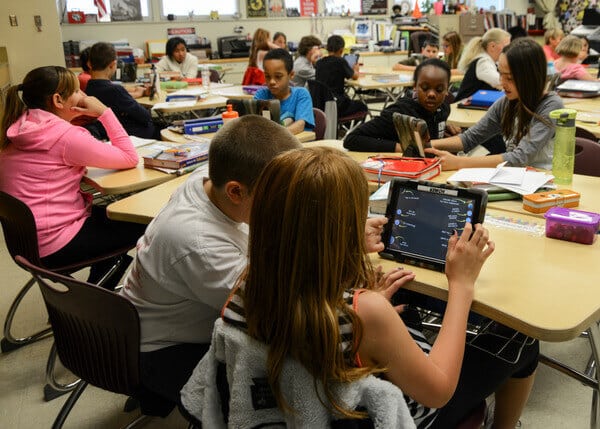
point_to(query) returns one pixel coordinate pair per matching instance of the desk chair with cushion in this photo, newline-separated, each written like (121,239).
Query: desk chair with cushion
(20,235)
(417,39)
(97,337)
(250,106)
(587,157)
(324,99)
(320,123)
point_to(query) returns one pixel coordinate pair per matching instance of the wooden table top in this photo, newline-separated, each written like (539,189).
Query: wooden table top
(171,136)
(545,288)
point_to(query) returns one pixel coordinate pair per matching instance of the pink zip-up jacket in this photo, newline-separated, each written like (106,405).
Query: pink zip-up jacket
(44,163)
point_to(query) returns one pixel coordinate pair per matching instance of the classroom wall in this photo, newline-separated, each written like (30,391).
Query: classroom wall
(26,47)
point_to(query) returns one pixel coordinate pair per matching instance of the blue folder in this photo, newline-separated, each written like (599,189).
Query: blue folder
(485,97)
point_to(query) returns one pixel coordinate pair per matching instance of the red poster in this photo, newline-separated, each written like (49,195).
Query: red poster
(308,7)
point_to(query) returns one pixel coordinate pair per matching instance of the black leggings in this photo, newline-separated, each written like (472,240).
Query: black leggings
(98,236)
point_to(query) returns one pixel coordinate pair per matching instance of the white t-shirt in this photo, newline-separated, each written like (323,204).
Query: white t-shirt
(188,68)
(186,263)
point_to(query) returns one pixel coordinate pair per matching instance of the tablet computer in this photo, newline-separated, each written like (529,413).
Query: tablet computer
(351,59)
(422,216)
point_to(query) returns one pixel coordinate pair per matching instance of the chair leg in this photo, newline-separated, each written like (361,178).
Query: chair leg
(53,389)
(68,405)
(9,342)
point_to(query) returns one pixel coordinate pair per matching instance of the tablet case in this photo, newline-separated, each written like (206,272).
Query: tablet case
(413,135)
(579,88)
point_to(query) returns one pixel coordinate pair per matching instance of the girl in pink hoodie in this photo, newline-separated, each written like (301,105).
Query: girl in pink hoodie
(43,158)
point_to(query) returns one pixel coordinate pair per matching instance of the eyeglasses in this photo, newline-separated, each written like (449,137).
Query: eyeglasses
(445,45)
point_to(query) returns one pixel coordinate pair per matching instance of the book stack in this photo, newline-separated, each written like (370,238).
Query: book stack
(382,169)
(177,159)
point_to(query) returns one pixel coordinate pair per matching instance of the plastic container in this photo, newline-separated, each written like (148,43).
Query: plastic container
(541,202)
(551,69)
(563,160)
(229,114)
(205,76)
(572,225)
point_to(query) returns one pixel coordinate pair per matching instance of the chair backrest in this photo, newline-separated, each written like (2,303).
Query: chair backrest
(18,224)
(553,81)
(253,76)
(250,106)
(417,38)
(215,76)
(582,132)
(587,157)
(320,123)
(320,93)
(97,332)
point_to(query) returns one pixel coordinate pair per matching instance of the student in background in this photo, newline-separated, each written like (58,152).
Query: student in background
(85,75)
(430,49)
(521,116)
(478,62)
(178,59)
(333,71)
(516,32)
(193,251)
(431,78)
(552,38)
(452,46)
(344,326)
(585,51)
(296,104)
(261,43)
(43,158)
(309,52)
(280,39)
(135,118)
(568,64)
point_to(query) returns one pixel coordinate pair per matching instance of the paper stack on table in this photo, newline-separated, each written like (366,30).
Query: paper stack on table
(514,179)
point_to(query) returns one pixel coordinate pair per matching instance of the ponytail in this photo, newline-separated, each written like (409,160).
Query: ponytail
(472,50)
(13,109)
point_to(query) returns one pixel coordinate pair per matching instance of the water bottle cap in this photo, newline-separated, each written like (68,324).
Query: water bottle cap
(564,116)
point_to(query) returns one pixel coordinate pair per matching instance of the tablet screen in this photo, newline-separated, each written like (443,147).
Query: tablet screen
(351,59)
(422,216)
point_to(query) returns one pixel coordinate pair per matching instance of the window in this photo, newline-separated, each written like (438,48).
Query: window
(336,7)
(89,7)
(487,4)
(199,7)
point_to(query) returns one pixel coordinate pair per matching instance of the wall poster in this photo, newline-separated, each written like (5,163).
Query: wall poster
(374,7)
(308,7)
(256,8)
(125,10)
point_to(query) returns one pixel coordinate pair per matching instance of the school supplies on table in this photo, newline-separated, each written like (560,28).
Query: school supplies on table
(514,179)
(543,201)
(210,124)
(176,157)
(382,169)
(572,225)
(481,100)
(579,88)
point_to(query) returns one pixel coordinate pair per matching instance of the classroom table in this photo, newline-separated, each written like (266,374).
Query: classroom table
(545,288)
(172,136)
(586,119)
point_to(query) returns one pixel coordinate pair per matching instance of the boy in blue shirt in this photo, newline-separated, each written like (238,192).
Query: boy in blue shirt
(296,104)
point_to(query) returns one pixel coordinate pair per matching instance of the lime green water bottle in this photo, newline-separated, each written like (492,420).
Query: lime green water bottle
(563,160)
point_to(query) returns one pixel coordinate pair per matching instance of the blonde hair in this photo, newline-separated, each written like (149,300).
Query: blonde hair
(478,46)
(307,247)
(260,42)
(553,33)
(454,40)
(37,89)
(570,47)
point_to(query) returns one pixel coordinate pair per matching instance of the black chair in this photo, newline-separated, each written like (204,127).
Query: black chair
(323,98)
(582,132)
(250,106)
(97,337)
(20,235)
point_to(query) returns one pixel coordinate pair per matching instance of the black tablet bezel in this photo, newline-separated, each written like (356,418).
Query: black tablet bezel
(480,203)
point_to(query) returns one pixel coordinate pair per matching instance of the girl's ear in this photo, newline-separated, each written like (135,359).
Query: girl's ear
(57,101)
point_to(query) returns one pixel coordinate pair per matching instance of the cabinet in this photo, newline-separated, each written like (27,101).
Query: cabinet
(446,23)
(467,25)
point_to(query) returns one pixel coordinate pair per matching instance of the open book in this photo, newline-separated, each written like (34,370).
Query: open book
(413,135)
(514,179)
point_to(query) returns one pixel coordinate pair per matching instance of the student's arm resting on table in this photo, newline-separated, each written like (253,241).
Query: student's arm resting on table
(82,149)
(128,105)
(430,380)
(303,111)
(453,162)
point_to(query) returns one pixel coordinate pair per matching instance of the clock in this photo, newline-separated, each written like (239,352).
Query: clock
(404,7)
